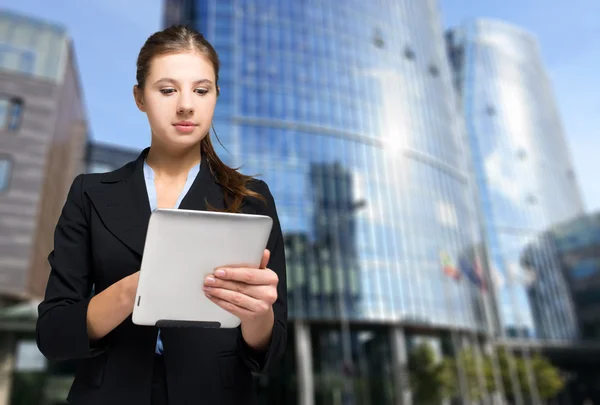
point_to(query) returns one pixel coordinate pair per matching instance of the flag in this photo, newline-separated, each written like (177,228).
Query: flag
(448,266)
(472,270)
(498,279)
(521,275)
(479,272)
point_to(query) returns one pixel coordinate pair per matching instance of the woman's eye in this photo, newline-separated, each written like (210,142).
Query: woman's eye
(167,91)
(202,91)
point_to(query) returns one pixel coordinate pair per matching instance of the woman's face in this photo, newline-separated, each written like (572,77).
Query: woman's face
(179,98)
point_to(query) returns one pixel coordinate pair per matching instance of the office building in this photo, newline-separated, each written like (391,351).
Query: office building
(347,110)
(43,131)
(577,244)
(524,174)
(103,158)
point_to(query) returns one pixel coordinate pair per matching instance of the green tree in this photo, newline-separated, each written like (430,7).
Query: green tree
(547,378)
(505,359)
(430,380)
(479,377)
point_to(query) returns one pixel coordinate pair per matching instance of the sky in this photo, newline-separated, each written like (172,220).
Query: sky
(108,34)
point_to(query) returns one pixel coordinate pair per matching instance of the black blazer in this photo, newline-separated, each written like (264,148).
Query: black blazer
(99,240)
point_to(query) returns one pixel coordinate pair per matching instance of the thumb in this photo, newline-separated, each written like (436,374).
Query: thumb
(265,259)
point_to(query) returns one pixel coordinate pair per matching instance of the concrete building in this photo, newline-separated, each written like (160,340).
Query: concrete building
(43,132)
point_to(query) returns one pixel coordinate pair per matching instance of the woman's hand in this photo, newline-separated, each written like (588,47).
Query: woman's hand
(248,293)
(111,307)
(129,287)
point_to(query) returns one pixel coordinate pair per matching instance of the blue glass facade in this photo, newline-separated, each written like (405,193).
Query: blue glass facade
(578,247)
(346,110)
(523,173)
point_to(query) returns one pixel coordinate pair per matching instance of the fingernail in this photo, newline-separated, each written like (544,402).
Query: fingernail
(220,273)
(210,280)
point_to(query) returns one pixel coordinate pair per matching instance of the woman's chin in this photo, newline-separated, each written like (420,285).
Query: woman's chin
(181,140)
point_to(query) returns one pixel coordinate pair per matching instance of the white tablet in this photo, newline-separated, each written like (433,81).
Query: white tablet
(183,247)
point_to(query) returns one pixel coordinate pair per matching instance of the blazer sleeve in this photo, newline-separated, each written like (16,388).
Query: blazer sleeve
(261,362)
(61,330)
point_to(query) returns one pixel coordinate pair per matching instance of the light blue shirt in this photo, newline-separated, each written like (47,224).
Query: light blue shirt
(151,189)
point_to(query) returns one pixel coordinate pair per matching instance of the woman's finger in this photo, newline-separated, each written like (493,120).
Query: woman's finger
(232,308)
(248,275)
(238,299)
(260,292)
(265,259)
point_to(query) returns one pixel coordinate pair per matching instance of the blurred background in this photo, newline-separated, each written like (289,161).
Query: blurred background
(434,164)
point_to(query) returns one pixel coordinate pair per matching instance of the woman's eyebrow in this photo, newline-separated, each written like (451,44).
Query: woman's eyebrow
(173,81)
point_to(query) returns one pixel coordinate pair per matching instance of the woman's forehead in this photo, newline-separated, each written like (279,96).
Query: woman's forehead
(182,66)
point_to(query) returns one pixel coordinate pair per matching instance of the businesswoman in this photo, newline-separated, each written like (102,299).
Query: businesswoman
(99,242)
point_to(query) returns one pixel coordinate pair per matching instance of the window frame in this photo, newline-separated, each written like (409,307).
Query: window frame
(13,103)
(5,183)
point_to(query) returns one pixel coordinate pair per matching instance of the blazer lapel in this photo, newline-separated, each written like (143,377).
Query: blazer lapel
(121,200)
(204,189)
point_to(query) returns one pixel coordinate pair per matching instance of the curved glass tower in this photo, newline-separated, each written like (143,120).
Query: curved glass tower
(524,175)
(347,110)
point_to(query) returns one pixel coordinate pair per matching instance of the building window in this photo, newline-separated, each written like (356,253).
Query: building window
(97,167)
(378,39)
(531,199)
(11,113)
(570,174)
(5,172)
(433,70)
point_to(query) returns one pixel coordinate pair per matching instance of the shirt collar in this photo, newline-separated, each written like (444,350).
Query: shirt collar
(149,172)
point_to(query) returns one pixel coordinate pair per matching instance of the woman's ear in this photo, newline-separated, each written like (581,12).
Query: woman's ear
(138,96)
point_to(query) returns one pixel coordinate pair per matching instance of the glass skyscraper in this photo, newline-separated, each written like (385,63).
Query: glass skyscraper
(348,111)
(524,175)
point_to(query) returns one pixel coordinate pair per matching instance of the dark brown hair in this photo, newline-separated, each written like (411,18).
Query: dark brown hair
(181,38)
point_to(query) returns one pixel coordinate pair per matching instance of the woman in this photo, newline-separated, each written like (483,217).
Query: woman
(99,240)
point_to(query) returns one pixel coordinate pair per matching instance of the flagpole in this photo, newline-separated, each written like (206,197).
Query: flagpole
(453,338)
(490,334)
(477,232)
(459,243)
(524,348)
(491,344)
(481,294)
(470,255)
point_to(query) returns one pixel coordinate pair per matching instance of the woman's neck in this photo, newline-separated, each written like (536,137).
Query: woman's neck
(171,163)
